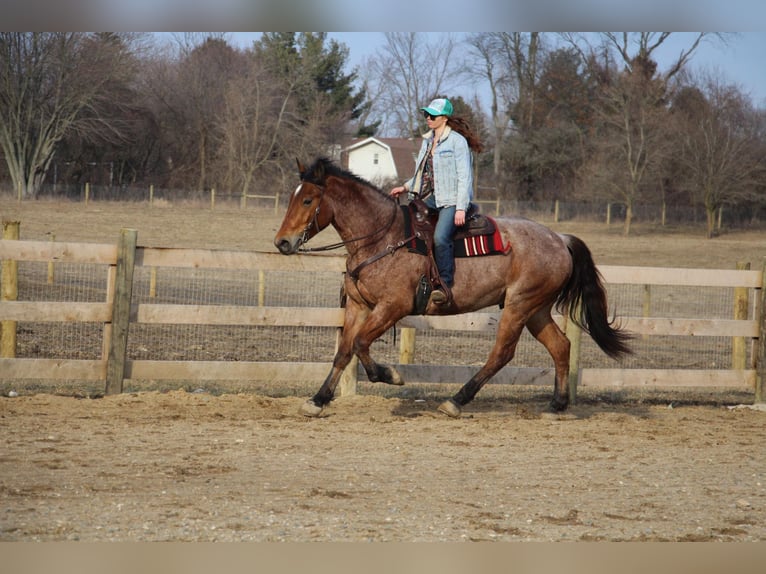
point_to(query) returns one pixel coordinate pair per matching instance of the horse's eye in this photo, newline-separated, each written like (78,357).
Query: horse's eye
(307,201)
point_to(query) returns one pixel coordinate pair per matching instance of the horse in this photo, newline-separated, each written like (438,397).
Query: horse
(542,270)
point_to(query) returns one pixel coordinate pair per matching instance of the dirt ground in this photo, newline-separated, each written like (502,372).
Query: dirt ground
(204,466)
(184,466)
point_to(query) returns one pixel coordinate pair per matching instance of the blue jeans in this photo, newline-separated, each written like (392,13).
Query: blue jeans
(443,238)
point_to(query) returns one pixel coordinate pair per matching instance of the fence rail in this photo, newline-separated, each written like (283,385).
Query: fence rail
(120,310)
(746,215)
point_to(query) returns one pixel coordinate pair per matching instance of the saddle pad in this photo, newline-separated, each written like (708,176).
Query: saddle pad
(475,245)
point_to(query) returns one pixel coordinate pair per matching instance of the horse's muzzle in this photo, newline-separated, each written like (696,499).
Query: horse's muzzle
(287,247)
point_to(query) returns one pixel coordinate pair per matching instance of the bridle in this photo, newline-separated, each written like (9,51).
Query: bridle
(354,273)
(314,223)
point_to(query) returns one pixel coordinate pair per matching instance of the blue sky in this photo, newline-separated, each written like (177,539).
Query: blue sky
(741,62)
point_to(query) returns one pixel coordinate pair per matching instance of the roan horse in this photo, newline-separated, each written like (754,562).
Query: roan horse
(541,270)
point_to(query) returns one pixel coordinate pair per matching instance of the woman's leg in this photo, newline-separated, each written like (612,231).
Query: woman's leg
(443,249)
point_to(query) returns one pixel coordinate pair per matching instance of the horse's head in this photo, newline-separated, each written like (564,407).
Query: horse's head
(307,213)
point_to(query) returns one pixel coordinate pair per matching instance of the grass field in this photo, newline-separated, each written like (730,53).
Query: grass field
(228,227)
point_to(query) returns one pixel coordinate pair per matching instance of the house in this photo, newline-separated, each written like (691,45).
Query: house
(381,161)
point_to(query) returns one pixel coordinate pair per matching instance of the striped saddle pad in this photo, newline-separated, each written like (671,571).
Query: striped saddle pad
(479,236)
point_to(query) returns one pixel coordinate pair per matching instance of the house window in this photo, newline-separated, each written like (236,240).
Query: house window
(375,159)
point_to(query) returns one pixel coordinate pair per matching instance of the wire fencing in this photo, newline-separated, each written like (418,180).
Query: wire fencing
(82,282)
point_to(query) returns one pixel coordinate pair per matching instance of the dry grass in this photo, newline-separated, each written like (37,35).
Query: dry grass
(228,227)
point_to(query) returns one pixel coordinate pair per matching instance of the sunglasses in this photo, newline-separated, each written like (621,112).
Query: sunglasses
(429,116)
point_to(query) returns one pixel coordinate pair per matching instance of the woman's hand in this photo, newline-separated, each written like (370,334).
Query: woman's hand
(398,191)
(459,218)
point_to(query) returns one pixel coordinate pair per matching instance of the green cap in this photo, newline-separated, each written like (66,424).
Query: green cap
(439,107)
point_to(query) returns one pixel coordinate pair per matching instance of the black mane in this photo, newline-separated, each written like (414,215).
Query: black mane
(322,167)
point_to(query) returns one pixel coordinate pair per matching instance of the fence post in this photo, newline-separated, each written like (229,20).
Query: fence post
(556,211)
(212,198)
(760,372)
(50,263)
(87,192)
(741,304)
(276,203)
(261,288)
(608,214)
(646,306)
(407,346)
(574,334)
(153,282)
(9,292)
(123,292)
(151,195)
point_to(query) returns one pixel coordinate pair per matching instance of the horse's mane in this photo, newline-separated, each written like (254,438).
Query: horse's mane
(323,167)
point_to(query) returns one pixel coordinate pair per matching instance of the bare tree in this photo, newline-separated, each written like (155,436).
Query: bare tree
(51,84)
(488,66)
(410,70)
(633,140)
(204,73)
(721,146)
(258,126)
(632,110)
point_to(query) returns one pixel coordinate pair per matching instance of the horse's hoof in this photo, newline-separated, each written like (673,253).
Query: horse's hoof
(309,409)
(449,408)
(559,405)
(396,378)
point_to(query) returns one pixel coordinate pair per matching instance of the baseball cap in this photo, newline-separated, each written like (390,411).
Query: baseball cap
(439,107)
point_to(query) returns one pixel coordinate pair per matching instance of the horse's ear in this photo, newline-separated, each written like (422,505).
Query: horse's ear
(301,169)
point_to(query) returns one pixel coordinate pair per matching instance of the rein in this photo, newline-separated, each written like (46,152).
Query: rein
(315,223)
(389,249)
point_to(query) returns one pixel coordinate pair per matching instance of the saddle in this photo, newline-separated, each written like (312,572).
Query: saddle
(479,236)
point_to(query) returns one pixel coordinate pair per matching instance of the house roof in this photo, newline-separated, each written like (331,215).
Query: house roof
(402,150)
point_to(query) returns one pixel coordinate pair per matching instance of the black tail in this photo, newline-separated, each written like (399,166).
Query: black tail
(585,292)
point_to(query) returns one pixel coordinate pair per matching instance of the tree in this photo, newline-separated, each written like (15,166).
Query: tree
(486,58)
(548,155)
(204,72)
(721,146)
(632,111)
(257,129)
(292,100)
(409,71)
(53,84)
(323,101)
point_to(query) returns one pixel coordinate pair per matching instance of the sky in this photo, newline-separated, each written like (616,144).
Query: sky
(742,61)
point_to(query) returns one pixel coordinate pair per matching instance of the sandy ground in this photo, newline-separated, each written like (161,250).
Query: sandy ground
(241,467)
(202,467)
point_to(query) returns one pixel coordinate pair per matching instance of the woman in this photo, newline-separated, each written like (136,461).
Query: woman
(444,181)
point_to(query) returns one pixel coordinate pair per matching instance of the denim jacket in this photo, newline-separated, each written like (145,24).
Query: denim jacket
(453,172)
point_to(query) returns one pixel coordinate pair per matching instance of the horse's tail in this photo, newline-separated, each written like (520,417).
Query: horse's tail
(584,297)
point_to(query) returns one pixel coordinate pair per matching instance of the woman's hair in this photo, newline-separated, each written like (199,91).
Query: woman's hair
(461,126)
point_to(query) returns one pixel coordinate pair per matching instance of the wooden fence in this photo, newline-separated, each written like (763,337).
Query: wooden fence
(118,311)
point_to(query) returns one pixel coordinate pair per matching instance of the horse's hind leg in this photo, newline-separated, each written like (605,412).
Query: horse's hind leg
(544,329)
(508,333)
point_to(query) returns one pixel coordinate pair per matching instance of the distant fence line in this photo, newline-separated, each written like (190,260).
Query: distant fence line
(120,309)
(552,210)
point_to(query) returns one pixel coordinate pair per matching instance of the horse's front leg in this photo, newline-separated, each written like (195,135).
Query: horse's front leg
(353,318)
(360,328)
(373,328)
